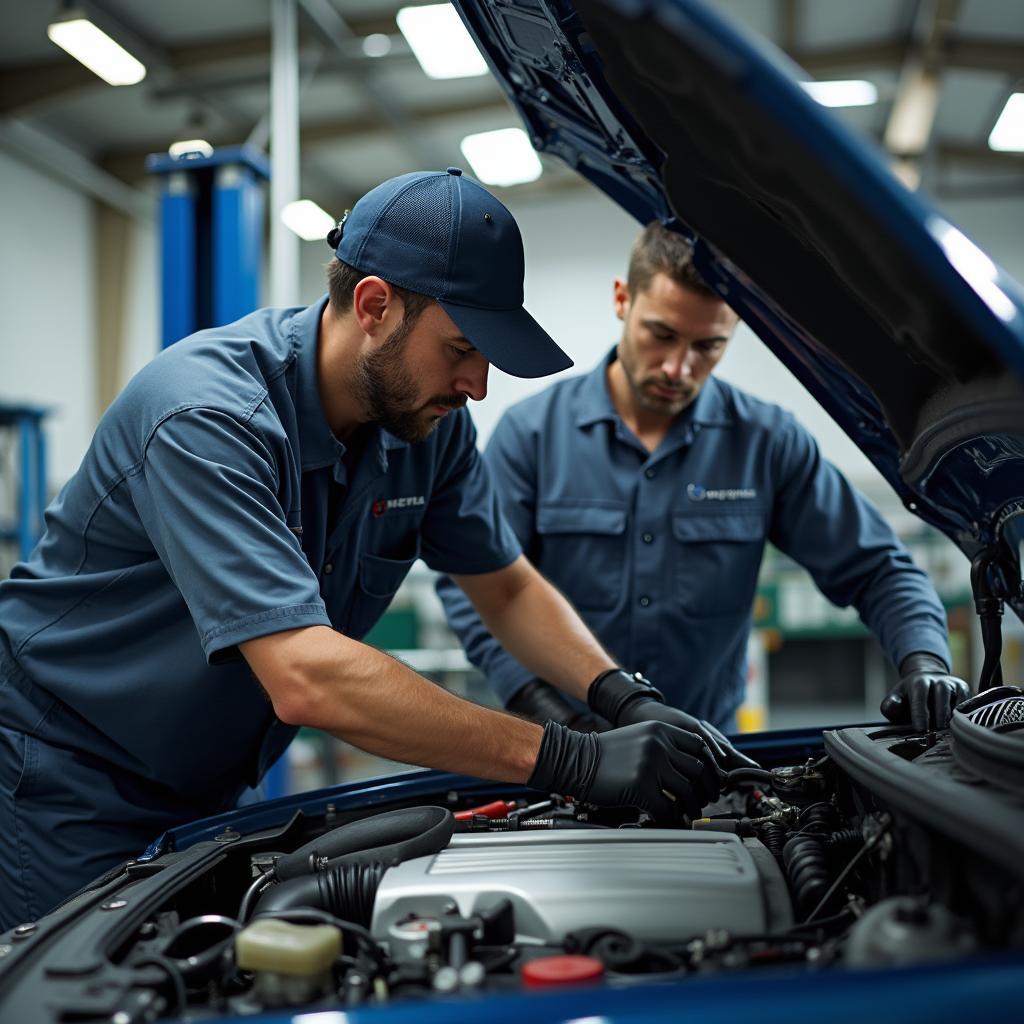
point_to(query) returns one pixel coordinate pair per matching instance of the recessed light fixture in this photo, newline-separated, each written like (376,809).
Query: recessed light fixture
(190,147)
(377,45)
(309,221)
(440,42)
(1008,134)
(849,93)
(503,157)
(91,46)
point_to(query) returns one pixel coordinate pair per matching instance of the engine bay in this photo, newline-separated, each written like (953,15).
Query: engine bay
(879,849)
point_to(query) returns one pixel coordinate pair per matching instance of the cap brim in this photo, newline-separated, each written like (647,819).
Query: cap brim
(510,339)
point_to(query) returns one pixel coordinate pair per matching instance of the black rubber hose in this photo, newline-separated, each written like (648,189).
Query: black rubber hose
(391,837)
(773,835)
(346,886)
(343,890)
(806,864)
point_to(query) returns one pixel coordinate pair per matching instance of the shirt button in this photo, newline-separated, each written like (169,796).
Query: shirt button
(650,473)
(328,568)
(647,538)
(644,601)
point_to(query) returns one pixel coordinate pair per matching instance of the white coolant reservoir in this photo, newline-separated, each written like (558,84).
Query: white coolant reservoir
(292,962)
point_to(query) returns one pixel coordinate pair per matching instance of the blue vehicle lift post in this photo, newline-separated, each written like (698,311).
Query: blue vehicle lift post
(27,422)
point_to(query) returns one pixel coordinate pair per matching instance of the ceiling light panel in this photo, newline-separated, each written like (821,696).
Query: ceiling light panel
(851,93)
(440,42)
(503,157)
(92,47)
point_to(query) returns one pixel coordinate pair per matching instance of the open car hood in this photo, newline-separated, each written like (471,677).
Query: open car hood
(898,324)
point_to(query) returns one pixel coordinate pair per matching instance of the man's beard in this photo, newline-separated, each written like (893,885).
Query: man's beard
(388,391)
(684,394)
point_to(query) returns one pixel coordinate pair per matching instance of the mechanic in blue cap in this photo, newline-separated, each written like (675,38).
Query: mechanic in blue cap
(246,510)
(645,491)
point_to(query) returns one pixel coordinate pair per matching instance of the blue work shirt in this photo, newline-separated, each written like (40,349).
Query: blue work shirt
(660,552)
(198,520)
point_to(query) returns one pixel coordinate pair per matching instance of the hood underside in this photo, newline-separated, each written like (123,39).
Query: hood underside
(908,335)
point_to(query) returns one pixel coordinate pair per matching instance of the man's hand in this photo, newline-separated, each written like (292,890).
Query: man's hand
(625,700)
(925,695)
(652,766)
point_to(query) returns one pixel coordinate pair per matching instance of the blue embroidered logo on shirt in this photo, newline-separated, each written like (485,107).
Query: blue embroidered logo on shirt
(382,505)
(698,492)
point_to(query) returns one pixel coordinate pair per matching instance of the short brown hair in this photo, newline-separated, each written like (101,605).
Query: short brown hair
(341,284)
(661,251)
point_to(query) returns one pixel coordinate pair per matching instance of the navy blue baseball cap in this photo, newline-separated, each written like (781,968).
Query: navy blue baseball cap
(444,235)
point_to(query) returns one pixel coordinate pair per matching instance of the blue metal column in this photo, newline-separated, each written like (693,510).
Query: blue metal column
(26,422)
(179,313)
(211,237)
(237,241)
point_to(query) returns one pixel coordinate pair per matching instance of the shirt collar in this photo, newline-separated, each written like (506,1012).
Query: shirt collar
(594,402)
(317,442)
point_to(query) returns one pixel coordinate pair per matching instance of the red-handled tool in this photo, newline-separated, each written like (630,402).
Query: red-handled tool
(495,809)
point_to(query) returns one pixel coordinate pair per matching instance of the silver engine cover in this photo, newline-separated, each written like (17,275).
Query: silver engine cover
(658,885)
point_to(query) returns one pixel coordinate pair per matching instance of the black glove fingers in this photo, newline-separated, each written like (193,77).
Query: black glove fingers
(696,774)
(894,707)
(938,703)
(680,795)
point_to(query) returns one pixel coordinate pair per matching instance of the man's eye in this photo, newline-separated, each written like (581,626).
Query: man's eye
(457,352)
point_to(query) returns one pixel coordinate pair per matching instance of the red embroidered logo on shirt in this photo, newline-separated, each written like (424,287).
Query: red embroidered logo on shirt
(382,505)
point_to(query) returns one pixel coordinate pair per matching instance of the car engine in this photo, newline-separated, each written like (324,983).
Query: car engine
(878,847)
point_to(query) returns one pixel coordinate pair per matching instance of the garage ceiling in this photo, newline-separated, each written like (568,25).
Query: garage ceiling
(943,68)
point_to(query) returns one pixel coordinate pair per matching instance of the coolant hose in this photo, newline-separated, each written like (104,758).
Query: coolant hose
(345,884)
(391,836)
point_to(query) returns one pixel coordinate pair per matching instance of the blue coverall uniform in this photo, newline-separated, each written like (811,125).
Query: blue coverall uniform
(197,520)
(659,552)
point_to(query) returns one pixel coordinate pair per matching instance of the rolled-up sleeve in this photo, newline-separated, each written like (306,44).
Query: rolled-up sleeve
(852,554)
(206,493)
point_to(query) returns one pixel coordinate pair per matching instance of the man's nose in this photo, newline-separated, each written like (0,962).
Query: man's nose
(678,364)
(472,379)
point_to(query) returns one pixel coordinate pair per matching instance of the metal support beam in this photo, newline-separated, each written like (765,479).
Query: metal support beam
(337,31)
(67,165)
(284,151)
(913,112)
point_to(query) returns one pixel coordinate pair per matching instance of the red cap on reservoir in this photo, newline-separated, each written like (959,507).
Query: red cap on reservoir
(561,970)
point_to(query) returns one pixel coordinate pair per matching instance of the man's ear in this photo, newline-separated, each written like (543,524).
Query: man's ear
(372,298)
(620,297)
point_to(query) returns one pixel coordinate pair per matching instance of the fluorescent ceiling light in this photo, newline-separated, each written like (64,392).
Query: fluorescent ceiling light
(1008,134)
(199,147)
(853,93)
(504,157)
(440,42)
(97,51)
(307,220)
(377,45)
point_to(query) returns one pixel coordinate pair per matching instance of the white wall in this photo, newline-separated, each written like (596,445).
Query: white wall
(47,342)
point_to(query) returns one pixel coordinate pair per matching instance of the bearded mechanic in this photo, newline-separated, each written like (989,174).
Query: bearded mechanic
(245,512)
(646,490)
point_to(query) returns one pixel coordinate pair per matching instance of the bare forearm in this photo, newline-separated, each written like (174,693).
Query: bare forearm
(535,624)
(380,705)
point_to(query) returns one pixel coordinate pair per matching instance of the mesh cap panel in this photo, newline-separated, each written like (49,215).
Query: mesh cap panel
(421,217)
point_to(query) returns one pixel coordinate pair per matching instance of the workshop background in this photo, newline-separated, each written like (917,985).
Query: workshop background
(80,249)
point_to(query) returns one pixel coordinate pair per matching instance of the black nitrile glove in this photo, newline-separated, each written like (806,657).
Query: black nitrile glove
(541,702)
(652,766)
(925,695)
(625,699)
